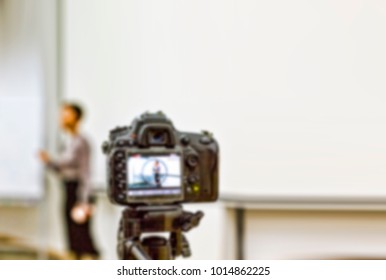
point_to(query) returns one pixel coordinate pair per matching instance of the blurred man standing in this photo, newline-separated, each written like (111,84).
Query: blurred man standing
(73,166)
(157,174)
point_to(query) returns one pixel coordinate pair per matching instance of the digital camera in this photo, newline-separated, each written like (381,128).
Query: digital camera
(150,162)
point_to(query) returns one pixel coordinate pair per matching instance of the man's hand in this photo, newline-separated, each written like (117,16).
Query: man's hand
(80,213)
(44,156)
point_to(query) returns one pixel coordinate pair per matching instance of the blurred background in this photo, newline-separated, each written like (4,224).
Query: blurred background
(294,91)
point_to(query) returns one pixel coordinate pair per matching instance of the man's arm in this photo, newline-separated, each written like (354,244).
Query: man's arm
(83,210)
(69,159)
(84,168)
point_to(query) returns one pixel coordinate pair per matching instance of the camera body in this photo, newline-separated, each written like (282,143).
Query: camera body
(151,163)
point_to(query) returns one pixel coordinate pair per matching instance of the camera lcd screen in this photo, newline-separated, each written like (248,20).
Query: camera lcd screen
(151,175)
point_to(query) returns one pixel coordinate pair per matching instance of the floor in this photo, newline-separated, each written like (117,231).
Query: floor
(15,249)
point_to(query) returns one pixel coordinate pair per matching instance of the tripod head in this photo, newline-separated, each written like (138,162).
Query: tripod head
(138,220)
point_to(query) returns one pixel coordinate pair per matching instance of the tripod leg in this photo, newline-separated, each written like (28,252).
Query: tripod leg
(129,247)
(180,245)
(158,248)
(186,252)
(136,250)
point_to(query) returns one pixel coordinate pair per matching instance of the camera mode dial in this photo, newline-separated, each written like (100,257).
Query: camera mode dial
(206,138)
(185,140)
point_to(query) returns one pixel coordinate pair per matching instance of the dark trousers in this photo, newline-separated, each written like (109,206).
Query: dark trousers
(78,235)
(157,179)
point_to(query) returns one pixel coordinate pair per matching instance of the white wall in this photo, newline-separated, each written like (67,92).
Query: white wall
(318,74)
(292,89)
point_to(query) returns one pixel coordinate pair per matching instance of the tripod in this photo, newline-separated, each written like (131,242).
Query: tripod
(137,220)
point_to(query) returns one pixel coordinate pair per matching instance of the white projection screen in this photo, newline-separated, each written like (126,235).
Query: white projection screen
(21,103)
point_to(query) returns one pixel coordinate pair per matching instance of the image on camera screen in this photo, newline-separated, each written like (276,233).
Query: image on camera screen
(154,175)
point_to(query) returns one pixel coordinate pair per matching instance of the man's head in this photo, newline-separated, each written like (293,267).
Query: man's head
(71,115)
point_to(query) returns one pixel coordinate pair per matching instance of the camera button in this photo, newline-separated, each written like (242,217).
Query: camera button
(192,179)
(206,140)
(192,160)
(119,155)
(120,167)
(185,140)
